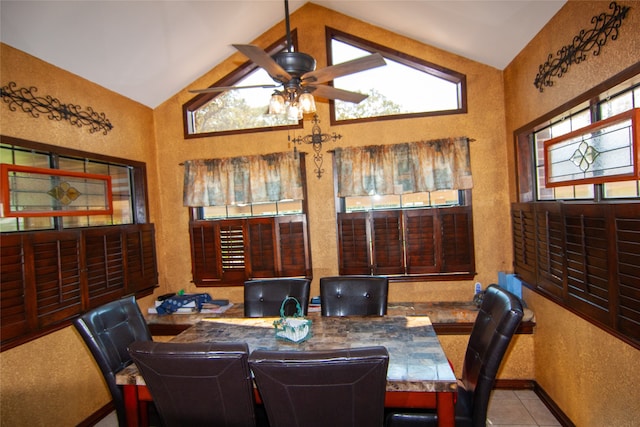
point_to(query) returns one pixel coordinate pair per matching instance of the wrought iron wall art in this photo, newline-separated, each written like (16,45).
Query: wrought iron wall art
(26,99)
(316,138)
(605,26)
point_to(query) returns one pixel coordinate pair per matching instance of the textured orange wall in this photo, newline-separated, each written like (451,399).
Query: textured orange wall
(54,381)
(484,122)
(590,374)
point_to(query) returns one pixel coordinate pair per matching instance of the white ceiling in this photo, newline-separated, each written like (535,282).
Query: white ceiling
(148,50)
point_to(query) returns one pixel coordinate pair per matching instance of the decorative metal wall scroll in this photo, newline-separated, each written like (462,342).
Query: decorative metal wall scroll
(316,138)
(27,101)
(605,27)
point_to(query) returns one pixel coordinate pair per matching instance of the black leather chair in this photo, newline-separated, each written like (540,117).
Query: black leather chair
(263,297)
(340,388)
(198,384)
(499,316)
(354,295)
(107,331)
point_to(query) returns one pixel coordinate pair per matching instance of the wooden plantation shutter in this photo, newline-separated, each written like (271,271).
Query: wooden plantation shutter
(432,241)
(456,227)
(141,262)
(228,252)
(423,241)
(294,258)
(13,310)
(353,236)
(627,240)
(524,244)
(549,233)
(263,248)
(104,258)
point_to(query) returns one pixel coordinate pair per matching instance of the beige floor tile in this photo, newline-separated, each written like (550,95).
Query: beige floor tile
(526,394)
(508,412)
(540,412)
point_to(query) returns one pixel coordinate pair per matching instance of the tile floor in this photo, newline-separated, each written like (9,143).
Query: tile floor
(516,408)
(507,408)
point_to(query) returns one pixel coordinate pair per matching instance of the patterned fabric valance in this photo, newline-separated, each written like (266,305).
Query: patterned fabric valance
(412,167)
(241,180)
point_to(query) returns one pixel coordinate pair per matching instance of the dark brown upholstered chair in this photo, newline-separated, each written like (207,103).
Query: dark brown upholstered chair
(499,316)
(354,295)
(198,384)
(107,331)
(263,297)
(339,388)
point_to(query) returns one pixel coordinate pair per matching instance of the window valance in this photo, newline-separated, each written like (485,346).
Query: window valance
(412,167)
(241,180)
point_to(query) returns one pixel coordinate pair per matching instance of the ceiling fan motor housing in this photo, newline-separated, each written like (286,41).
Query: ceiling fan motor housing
(295,63)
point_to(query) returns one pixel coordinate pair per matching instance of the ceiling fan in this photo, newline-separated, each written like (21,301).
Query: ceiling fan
(296,74)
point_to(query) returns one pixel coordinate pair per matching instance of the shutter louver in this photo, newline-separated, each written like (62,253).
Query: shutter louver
(57,276)
(204,252)
(104,259)
(524,230)
(232,251)
(587,258)
(457,240)
(422,241)
(627,232)
(142,271)
(387,242)
(12,287)
(550,249)
(292,235)
(262,247)
(354,243)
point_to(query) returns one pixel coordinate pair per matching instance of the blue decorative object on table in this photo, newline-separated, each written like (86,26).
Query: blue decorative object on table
(172,304)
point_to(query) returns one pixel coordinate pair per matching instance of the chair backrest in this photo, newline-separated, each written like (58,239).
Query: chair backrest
(339,388)
(498,318)
(107,331)
(198,384)
(263,298)
(354,295)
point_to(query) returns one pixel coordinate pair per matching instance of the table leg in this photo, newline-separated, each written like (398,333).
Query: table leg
(131,404)
(445,409)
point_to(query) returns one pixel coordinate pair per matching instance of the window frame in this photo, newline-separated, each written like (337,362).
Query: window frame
(229,80)
(51,276)
(368,238)
(288,252)
(581,254)
(403,58)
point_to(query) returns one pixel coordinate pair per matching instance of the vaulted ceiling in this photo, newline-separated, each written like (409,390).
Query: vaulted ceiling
(149,50)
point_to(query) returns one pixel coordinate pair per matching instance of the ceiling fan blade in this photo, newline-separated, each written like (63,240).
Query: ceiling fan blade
(226,88)
(262,58)
(354,66)
(330,92)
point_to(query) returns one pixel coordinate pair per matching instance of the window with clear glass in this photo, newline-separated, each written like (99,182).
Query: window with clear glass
(405,87)
(238,110)
(622,98)
(121,186)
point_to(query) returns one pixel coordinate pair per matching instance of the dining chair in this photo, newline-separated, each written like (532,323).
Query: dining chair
(354,295)
(338,388)
(499,316)
(198,384)
(264,297)
(107,331)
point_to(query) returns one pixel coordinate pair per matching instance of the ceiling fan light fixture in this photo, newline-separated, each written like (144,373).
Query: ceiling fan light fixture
(276,104)
(307,103)
(294,112)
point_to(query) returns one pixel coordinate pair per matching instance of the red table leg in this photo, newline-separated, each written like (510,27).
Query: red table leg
(445,409)
(131,404)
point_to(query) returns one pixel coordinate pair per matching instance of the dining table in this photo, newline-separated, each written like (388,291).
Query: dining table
(419,374)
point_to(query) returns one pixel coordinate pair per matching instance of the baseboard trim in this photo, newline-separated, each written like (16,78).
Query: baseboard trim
(539,391)
(98,415)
